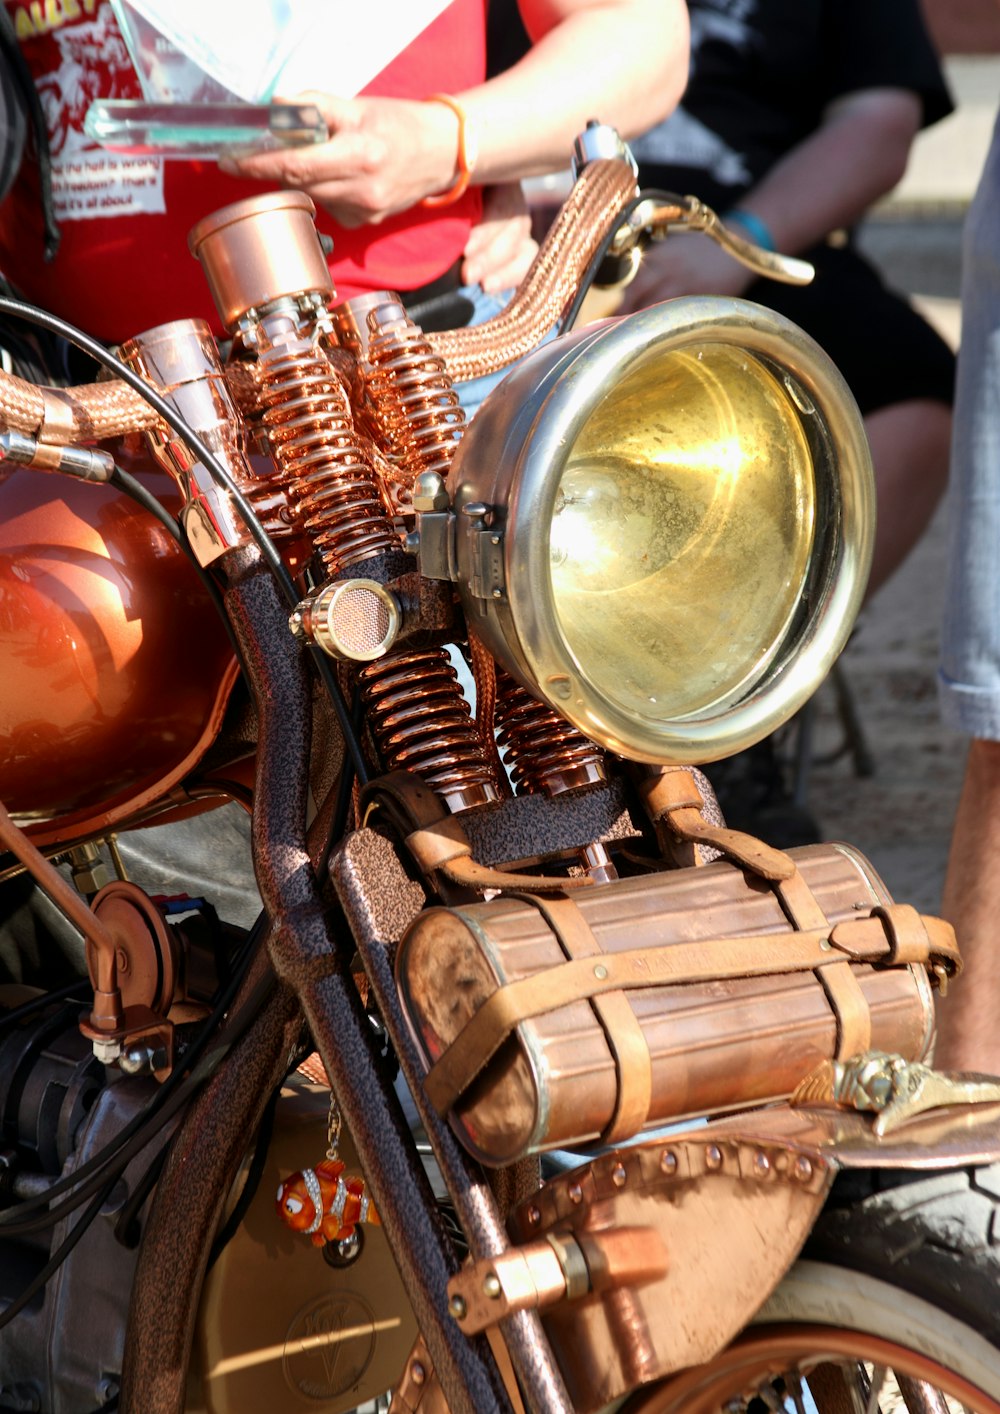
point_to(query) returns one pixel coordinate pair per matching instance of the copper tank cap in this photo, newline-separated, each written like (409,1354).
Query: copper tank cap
(259,250)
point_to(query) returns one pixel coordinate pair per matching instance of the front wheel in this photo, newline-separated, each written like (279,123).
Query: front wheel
(895,1305)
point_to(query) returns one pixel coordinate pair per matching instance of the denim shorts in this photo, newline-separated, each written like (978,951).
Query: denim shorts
(472,394)
(969,676)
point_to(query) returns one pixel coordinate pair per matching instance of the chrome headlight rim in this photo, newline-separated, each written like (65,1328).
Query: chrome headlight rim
(799,659)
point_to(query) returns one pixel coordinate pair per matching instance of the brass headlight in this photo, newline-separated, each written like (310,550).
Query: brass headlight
(665,526)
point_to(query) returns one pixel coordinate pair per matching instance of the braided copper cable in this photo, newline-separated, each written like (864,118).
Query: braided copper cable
(414,397)
(603,191)
(544,752)
(63,416)
(333,493)
(96,411)
(422,723)
(484,675)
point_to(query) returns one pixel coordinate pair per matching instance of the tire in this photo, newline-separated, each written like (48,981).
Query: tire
(901,1271)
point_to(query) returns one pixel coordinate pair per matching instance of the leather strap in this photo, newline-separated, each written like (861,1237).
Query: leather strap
(705,960)
(799,903)
(438,844)
(843,990)
(850,1007)
(626,1039)
(673,799)
(908,931)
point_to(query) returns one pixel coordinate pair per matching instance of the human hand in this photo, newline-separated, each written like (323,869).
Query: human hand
(383,155)
(500,249)
(686,263)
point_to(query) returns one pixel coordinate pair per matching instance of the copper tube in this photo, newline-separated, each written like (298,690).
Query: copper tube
(351,324)
(181,360)
(421,722)
(603,190)
(543,751)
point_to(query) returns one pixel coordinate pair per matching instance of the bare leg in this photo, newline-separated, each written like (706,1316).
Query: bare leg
(910,445)
(969,1017)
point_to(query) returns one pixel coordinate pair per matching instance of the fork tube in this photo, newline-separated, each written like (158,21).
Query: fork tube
(538,1375)
(308,955)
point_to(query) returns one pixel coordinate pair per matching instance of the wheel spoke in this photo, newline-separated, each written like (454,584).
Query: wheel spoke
(874,1386)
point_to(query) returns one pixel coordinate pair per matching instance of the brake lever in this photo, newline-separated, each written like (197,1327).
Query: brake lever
(653,219)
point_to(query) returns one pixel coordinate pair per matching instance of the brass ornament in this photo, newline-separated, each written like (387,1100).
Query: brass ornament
(894,1089)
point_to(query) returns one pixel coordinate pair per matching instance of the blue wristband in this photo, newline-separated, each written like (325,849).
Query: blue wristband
(758,231)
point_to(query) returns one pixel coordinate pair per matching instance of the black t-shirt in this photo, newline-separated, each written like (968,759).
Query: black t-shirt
(762,74)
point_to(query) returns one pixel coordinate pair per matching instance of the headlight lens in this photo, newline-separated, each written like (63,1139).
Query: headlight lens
(682,531)
(665,526)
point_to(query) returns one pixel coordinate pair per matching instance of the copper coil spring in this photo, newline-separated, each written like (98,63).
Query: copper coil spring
(544,753)
(421,720)
(415,398)
(333,492)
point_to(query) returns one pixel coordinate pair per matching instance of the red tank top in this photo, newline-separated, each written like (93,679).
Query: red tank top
(123,264)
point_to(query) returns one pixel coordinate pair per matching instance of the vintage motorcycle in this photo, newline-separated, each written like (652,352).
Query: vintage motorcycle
(572,1097)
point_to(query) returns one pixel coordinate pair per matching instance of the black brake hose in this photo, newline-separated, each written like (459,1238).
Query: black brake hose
(18,309)
(59,1255)
(138,1129)
(132,487)
(39,1003)
(251,1183)
(663,198)
(16,1222)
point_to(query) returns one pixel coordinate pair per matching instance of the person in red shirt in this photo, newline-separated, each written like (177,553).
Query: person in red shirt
(122,263)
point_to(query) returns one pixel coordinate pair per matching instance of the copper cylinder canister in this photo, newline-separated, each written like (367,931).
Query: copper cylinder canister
(713,1045)
(260,250)
(181,360)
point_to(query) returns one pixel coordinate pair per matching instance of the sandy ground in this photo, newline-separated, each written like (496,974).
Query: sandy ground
(901,815)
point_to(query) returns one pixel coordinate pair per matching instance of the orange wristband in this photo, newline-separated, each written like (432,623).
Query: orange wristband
(467,152)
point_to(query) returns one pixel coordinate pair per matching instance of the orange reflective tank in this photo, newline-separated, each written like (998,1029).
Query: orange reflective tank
(114,666)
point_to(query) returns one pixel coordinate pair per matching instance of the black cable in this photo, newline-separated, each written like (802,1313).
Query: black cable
(39,1003)
(345,793)
(127,1230)
(59,1255)
(15,1222)
(662,198)
(351,739)
(21,310)
(137,1129)
(130,486)
(251,1183)
(33,315)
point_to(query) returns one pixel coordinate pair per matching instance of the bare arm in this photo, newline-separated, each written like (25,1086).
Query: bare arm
(828,181)
(623,61)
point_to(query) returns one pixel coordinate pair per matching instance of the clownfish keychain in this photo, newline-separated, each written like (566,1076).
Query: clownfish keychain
(324,1202)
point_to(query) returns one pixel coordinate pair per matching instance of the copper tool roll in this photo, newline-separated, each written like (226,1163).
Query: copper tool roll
(554,1022)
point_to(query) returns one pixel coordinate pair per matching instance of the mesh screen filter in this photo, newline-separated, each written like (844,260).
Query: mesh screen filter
(359,620)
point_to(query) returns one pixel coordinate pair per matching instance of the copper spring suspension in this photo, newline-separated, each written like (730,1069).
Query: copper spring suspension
(422,723)
(332,490)
(417,406)
(544,753)
(418,713)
